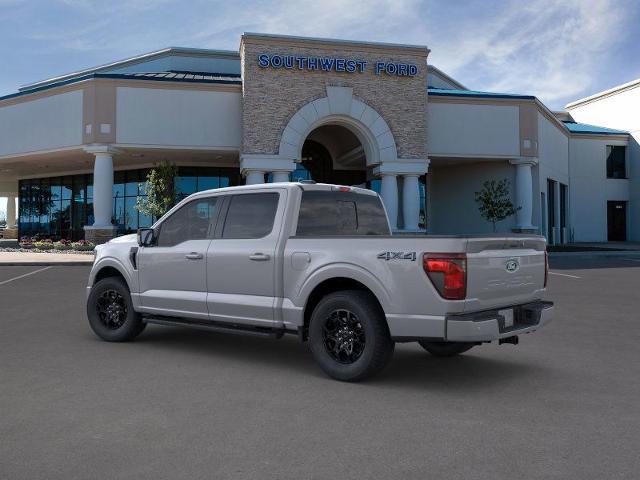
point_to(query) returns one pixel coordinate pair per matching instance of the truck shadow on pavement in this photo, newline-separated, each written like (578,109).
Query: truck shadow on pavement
(409,368)
(466,372)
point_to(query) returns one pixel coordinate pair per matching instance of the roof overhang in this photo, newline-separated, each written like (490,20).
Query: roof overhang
(606,93)
(145,57)
(444,76)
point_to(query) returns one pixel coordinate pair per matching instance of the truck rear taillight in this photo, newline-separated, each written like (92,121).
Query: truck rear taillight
(448,273)
(546,268)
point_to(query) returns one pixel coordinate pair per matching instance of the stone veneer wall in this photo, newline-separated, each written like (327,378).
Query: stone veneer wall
(272,96)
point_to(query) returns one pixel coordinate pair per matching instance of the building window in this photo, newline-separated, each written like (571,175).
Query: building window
(59,207)
(551,209)
(563,212)
(616,164)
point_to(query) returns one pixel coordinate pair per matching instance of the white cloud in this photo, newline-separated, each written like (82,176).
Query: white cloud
(542,47)
(548,48)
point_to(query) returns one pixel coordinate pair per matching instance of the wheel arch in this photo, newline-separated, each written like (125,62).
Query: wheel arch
(334,280)
(111,268)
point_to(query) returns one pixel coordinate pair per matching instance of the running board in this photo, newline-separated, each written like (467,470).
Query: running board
(216,326)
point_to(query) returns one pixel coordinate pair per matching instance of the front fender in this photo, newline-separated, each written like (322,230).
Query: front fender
(113,262)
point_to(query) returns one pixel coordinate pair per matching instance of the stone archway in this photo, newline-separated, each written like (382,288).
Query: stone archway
(339,107)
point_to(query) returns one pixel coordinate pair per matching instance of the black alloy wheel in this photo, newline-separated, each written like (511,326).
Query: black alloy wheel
(344,336)
(111,308)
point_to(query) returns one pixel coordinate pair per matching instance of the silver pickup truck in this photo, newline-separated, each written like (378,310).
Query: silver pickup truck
(317,261)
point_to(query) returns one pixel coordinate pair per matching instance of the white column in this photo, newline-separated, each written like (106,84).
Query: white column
(411,202)
(103,189)
(389,194)
(11,212)
(524,192)
(254,177)
(280,176)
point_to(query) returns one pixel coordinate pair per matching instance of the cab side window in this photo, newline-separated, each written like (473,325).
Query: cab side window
(250,215)
(193,221)
(325,213)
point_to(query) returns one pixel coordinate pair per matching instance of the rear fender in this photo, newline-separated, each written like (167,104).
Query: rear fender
(344,270)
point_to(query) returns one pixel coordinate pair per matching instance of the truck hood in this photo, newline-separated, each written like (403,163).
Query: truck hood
(131,238)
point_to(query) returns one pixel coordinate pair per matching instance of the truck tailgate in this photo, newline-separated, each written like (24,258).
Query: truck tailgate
(503,271)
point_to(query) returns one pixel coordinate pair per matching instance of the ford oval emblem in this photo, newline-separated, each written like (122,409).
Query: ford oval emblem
(512,266)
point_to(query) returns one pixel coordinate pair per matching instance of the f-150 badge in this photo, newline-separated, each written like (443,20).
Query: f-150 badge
(397,256)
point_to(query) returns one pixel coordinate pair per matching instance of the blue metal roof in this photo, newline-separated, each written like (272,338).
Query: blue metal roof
(188,77)
(575,127)
(444,92)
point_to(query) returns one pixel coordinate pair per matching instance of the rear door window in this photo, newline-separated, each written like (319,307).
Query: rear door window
(250,215)
(324,213)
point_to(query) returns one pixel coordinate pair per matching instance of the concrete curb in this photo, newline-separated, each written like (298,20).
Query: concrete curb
(617,253)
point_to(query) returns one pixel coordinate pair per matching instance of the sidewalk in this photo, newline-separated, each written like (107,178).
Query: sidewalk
(604,249)
(633,246)
(38,259)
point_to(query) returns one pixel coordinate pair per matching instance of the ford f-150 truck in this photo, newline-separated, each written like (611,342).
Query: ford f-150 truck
(318,261)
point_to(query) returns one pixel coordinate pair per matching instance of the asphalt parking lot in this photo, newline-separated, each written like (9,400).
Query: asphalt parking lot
(181,403)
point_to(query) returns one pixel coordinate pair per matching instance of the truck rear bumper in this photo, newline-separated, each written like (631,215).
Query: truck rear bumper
(483,326)
(495,324)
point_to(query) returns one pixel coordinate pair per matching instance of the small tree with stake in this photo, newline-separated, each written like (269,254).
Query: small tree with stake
(494,201)
(160,190)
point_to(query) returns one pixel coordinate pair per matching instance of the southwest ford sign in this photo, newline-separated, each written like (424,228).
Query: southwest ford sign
(333,64)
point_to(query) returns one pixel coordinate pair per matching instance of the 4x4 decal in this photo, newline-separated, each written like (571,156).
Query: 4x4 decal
(397,256)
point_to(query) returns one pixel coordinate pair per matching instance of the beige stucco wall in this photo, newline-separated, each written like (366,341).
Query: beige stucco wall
(45,123)
(619,110)
(451,196)
(590,189)
(178,117)
(272,96)
(460,129)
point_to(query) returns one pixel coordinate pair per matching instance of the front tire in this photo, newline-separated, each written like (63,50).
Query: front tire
(446,349)
(349,337)
(110,311)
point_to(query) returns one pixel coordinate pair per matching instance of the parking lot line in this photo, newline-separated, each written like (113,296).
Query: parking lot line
(25,275)
(632,259)
(564,275)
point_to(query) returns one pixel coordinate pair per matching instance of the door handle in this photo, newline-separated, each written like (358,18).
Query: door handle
(259,257)
(193,256)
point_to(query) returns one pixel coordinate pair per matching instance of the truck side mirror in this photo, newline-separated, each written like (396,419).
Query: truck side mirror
(146,237)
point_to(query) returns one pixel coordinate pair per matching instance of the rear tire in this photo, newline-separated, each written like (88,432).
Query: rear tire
(446,349)
(349,337)
(110,311)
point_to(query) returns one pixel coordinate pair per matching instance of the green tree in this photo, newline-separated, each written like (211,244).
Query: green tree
(494,201)
(160,190)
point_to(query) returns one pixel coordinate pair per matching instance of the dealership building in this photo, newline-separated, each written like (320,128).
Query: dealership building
(75,150)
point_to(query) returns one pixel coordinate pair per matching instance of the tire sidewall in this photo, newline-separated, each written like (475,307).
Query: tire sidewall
(133,323)
(369,316)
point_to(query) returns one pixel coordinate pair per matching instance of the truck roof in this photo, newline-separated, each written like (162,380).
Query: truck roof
(289,185)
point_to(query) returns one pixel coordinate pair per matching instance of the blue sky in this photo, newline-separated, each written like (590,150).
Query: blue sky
(557,50)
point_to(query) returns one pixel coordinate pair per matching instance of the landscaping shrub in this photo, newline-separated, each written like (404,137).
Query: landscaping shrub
(60,245)
(83,245)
